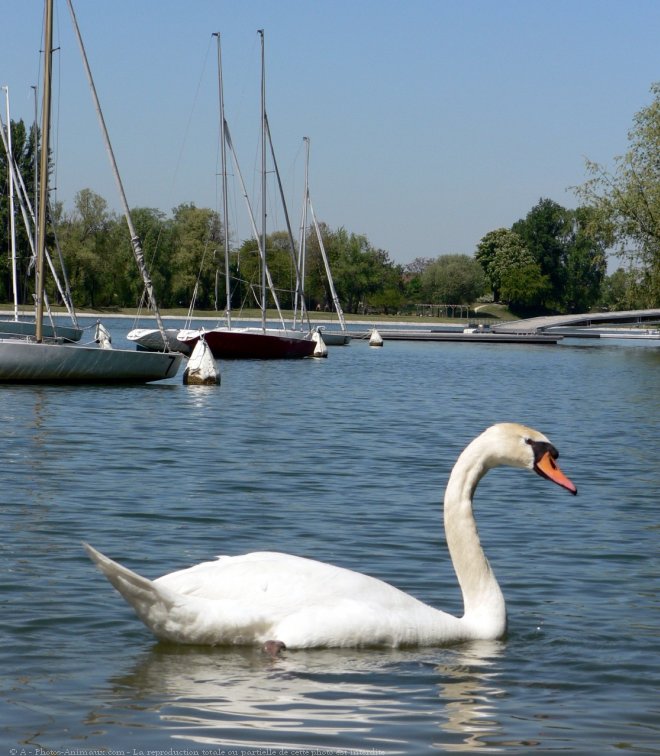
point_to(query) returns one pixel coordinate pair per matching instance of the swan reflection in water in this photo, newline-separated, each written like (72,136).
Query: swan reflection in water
(329,698)
(469,692)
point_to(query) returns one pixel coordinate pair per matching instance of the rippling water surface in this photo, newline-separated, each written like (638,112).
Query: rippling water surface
(344,460)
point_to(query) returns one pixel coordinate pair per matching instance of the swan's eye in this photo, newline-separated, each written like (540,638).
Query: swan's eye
(540,448)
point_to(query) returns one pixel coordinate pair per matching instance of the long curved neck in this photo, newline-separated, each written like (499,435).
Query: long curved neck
(482,598)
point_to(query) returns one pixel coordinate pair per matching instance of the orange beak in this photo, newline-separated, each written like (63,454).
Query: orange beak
(546,467)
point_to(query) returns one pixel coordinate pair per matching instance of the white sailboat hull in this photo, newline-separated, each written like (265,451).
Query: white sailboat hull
(151,339)
(30,362)
(335,338)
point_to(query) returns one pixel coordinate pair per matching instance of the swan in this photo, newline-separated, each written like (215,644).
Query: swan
(281,601)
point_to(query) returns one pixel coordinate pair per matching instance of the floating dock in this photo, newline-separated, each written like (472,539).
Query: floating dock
(476,336)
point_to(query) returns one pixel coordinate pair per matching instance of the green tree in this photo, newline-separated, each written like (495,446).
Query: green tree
(512,271)
(585,261)
(156,234)
(84,236)
(626,202)
(389,296)
(411,280)
(523,286)
(364,277)
(317,287)
(453,279)
(418,265)
(569,249)
(248,276)
(99,257)
(362,272)
(355,274)
(545,231)
(615,291)
(246,273)
(124,284)
(282,267)
(496,252)
(196,239)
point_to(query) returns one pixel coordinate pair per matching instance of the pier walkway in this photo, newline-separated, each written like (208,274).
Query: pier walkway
(541,324)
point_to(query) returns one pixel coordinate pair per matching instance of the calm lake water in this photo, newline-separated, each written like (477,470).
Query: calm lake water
(344,460)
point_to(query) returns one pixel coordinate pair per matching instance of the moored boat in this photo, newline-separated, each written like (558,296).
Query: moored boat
(253,342)
(335,338)
(263,341)
(23,361)
(39,360)
(151,340)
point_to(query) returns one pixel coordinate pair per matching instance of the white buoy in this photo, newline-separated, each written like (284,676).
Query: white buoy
(201,369)
(376,340)
(320,350)
(102,336)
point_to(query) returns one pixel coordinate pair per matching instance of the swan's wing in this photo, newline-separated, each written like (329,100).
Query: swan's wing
(306,603)
(282,582)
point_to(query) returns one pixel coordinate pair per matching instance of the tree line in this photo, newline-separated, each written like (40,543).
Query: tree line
(552,260)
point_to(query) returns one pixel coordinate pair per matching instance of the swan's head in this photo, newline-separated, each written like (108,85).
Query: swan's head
(519,446)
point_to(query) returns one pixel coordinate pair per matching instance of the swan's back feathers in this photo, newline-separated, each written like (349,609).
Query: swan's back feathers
(273,578)
(284,583)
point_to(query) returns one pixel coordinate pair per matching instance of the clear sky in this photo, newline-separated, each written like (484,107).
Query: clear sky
(431,122)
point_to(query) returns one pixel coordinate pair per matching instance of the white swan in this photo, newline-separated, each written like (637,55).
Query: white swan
(277,600)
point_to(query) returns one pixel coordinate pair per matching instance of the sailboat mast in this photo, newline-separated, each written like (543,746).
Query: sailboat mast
(326,263)
(319,237)
(263,181)
(43,188)
(36,169)
(225,204)
(302,243)
(135,239)
(292,244)
(12,220)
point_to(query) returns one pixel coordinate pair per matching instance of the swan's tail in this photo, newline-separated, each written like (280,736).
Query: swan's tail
(151,603)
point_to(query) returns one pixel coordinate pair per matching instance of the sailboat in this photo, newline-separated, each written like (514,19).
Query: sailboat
(41,360)
(253,342)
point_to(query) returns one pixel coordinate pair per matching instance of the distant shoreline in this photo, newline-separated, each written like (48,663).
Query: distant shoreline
(315,318)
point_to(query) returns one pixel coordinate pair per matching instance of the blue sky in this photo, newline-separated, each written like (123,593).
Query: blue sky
(431,122)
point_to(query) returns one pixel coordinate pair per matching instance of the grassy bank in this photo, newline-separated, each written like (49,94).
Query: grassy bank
(478,313)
